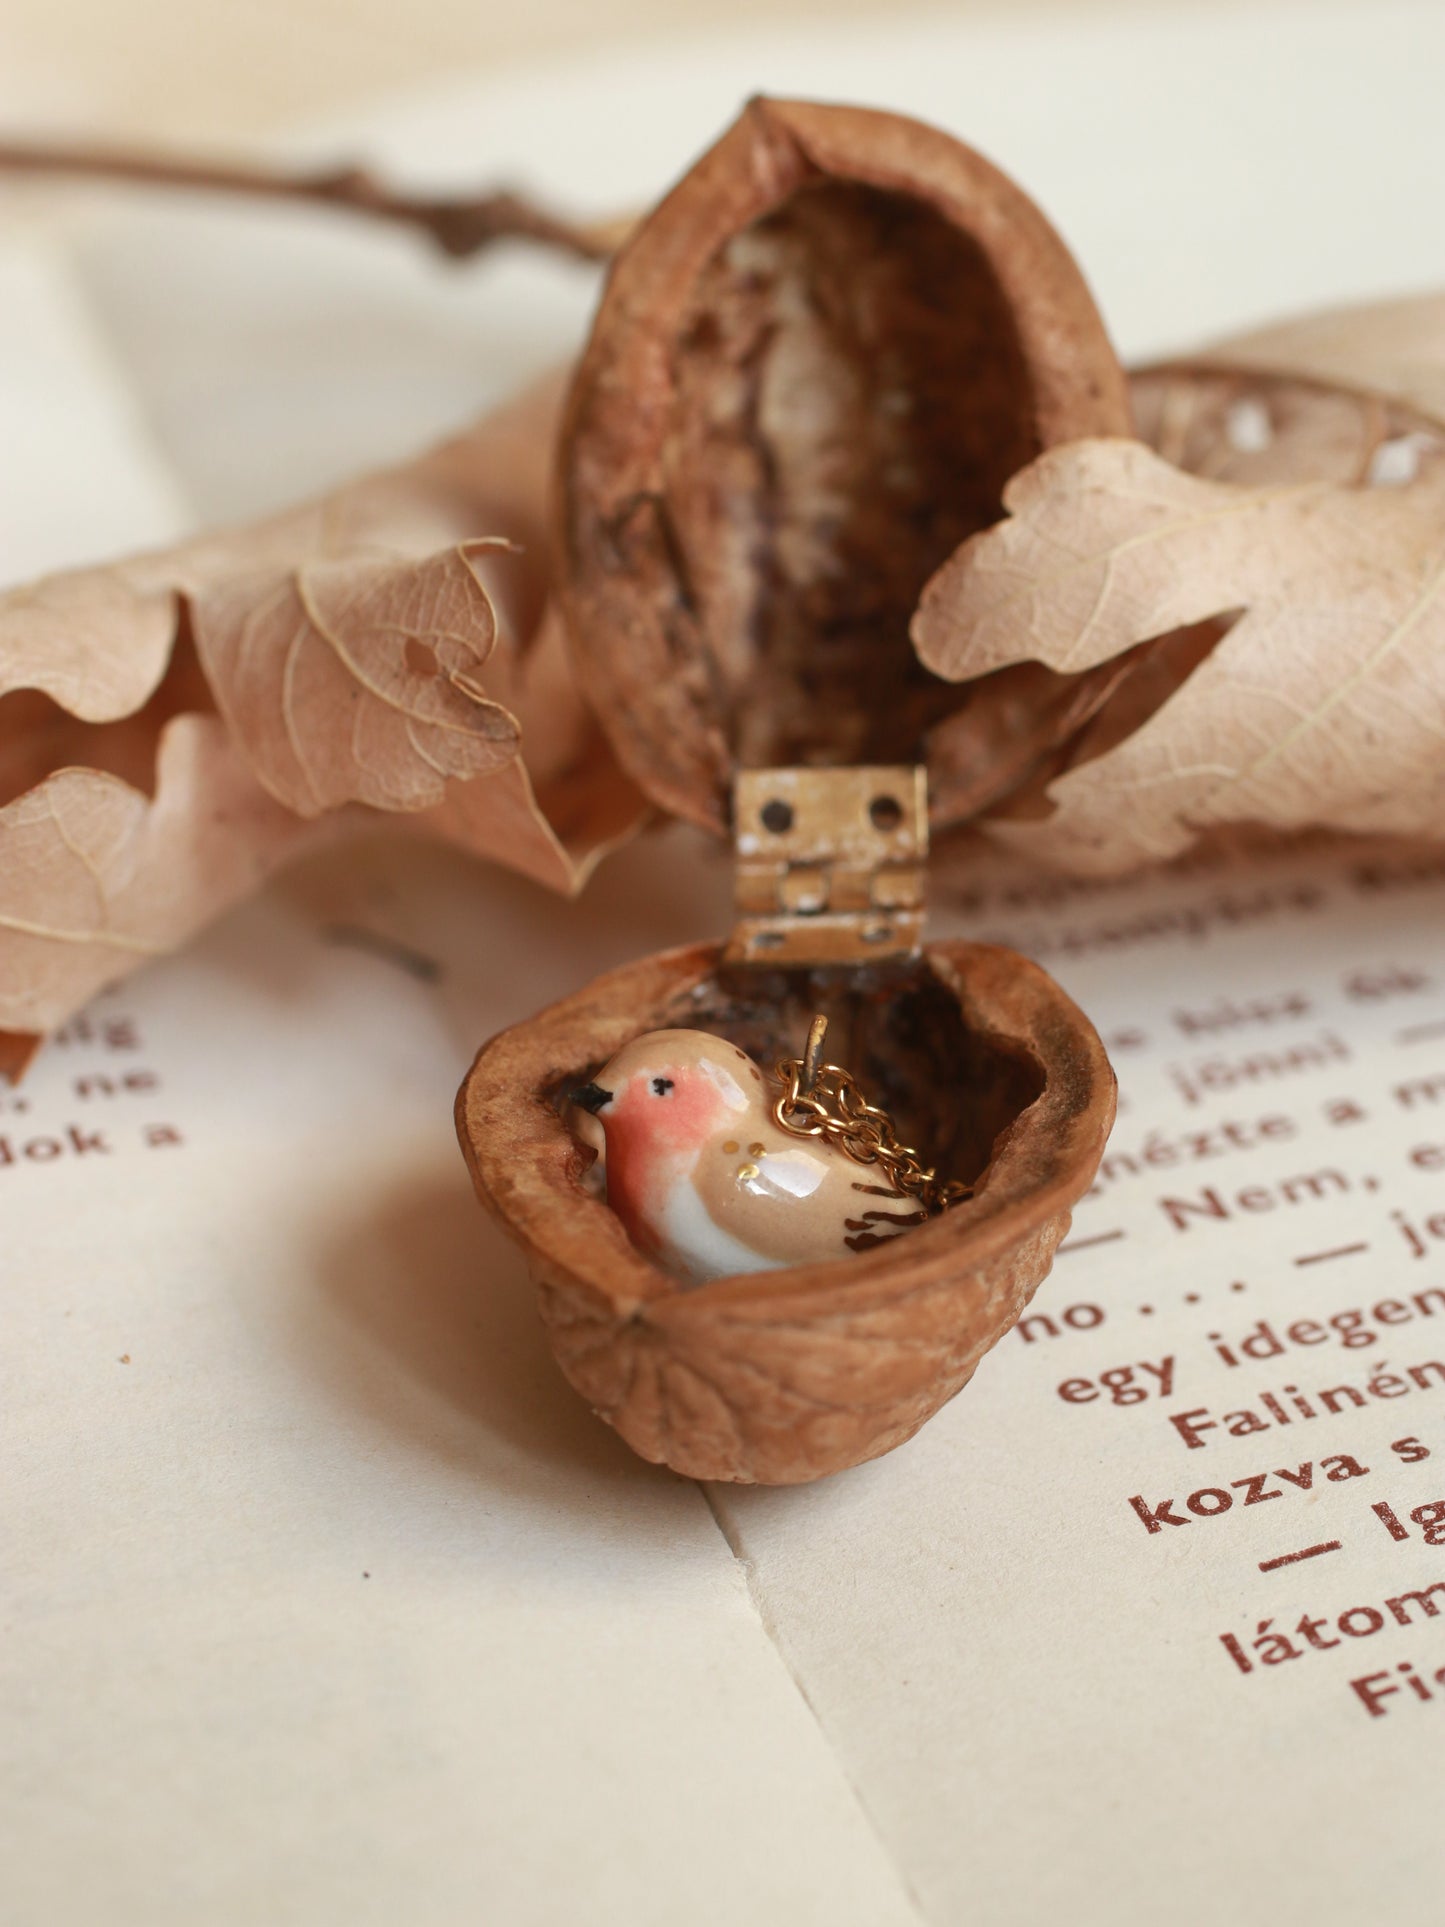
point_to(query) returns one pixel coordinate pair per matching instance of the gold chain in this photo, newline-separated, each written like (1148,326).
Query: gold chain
(823,1100)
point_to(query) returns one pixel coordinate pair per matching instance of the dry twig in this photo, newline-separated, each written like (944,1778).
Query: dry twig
(459,225)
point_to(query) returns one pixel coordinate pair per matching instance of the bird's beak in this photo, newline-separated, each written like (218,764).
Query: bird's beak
(589,1097)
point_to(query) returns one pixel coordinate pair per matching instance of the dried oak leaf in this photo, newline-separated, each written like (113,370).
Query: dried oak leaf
(355,678)
(1393,351)
(97,877)
(1355,397)
(1260,430)
(1324,703)
(175,725)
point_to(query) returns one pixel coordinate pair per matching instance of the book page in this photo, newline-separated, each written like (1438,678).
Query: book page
(324,1598)
(1150,1622)
(79,476)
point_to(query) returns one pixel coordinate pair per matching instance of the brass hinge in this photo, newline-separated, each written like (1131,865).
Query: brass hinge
(830,864)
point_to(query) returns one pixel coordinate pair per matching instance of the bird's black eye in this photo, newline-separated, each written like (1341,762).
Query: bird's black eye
(661,1086)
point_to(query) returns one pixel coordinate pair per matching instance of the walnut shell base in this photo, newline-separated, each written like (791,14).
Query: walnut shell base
(783,1376)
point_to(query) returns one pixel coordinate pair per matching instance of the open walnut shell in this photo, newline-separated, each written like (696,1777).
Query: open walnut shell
(782,1376)
(815,367)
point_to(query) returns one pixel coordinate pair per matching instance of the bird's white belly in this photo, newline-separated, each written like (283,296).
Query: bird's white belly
(700,1245)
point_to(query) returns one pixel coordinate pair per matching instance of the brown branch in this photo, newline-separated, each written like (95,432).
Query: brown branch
(458,226)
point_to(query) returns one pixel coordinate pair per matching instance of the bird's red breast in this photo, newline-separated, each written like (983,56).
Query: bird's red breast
(652,1143)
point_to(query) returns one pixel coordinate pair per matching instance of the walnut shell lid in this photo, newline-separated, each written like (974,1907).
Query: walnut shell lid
(814,368)
(782,1376)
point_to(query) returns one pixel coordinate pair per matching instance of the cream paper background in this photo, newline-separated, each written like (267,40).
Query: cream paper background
(962,1684)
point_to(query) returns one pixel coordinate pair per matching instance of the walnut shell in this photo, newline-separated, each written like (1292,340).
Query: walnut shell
(815,366)
(782,1376)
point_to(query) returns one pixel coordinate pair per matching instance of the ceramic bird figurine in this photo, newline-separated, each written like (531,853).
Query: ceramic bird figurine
(706,1182)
